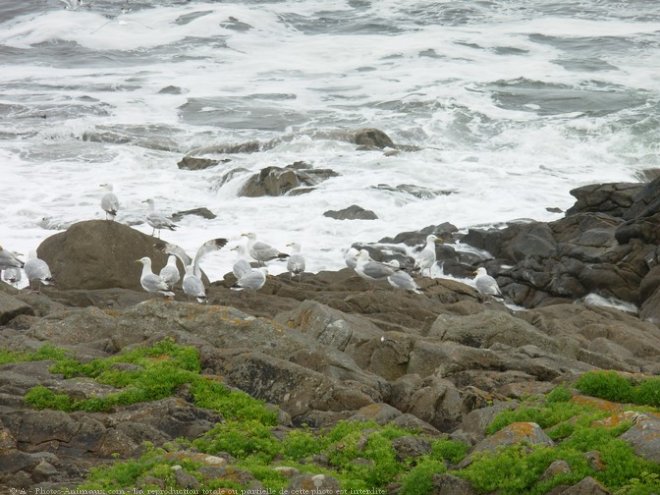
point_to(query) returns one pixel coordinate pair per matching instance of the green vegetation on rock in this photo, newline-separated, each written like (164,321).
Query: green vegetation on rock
(612,386)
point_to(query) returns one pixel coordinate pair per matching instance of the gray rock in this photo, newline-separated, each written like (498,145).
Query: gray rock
(314,483)
(11,307)
(447,484)
(611,198)
(515,433)
(372,138)
(353,212)
(644,437)
(193,163)
(475,422)
(200,212)
(277,181)
(99,254)
(588,486)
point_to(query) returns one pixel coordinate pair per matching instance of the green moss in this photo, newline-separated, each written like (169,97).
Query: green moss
(41,397)
(559,394)
(449,450)
(606,385)
(44,353)
(646,484)
(545,416)
(647,392)
(419,480)
(241,439)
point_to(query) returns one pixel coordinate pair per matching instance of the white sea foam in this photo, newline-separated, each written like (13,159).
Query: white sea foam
(498,120)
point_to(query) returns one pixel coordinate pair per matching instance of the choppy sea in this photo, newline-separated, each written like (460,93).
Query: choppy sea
(509,104)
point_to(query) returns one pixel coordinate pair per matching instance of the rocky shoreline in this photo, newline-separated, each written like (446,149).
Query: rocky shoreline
(332,347)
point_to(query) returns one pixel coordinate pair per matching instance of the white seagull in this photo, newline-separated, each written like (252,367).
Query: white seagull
(296,262)
(193,285)
(157,220)
(371,270)
(402,280)
(9,260)
(109,202)
(152,282)
(170,272)
(252,280)
(486,285)
(261,251)
(426,258)
(350,257)
(241,266)
(37,271)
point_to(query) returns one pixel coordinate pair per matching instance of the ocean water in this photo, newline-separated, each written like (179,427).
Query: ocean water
(508,104)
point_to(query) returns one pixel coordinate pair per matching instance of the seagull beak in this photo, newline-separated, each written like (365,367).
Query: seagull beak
(138,261)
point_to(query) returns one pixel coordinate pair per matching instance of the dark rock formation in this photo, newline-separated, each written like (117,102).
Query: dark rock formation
(277,181)
(372,138)
(99,254)
(353,212)
(193,163)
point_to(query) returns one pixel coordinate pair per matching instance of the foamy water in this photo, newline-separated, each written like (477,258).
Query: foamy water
(511,104)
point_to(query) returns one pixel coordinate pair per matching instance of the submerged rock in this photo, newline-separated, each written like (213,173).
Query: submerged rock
(277,181)
(353,212)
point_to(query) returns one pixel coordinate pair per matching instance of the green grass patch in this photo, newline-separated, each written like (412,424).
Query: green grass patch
(44,353)
(419,480)
(611,386)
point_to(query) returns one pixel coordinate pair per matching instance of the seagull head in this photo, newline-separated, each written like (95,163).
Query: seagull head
(144,261)
(480,272)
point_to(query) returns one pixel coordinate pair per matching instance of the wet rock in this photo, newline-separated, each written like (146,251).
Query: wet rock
(650,310)
(420,192)
(646,203)
(353,212)
(277,181)
(611,198)
(193,163)
(372,138)
(99,254)
(170,90)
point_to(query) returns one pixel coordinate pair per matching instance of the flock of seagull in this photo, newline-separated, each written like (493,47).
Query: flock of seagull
(247,276)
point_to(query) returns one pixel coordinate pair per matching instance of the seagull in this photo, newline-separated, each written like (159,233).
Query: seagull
(371,270)
(241,266)
(12,275)
(486,285)
(157,220)
(402,280)
(426,258)
(193,285)
(9,260)
(296,262)
(261,251)
(109,202)
(206,248)
(350,257)
(170,272)
(37,270)
(152,282)
(252,280)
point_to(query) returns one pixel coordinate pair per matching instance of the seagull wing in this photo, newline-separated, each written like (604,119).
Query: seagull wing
(204,249)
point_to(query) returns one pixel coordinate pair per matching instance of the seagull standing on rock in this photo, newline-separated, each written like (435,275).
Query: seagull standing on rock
(252,280)
(109,202)
(296,262)
(426,258)
(37,271)
(350,257)
(371,270)
(402,280)
(157,220)
(485,284)
(170,272)
(261,251)
(152,282)
(193,285)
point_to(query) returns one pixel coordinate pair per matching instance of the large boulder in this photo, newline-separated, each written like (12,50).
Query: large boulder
(353,212)
(297,178)
(100,254)
(611,198)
